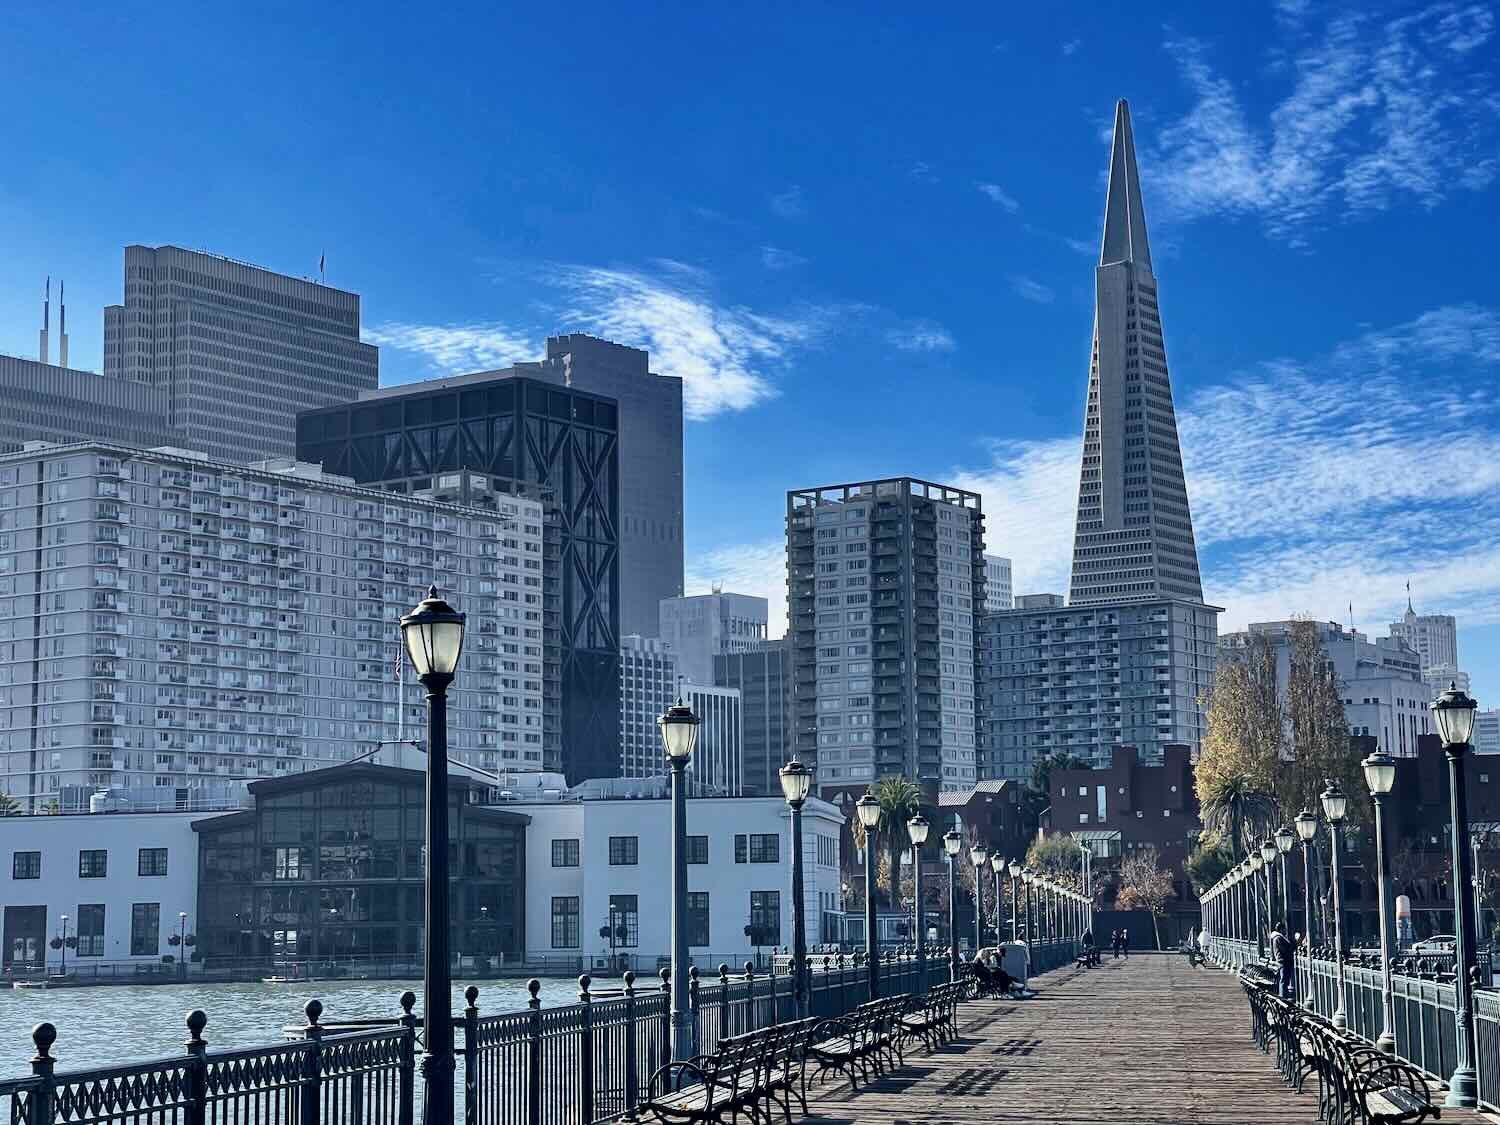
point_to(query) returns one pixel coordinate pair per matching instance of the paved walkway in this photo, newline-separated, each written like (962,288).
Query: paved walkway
(1147,1040)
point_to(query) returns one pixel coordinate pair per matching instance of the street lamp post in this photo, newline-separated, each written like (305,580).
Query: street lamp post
(1380,777)
(917,829)
(952,844)
(1335,804)
(1014,868)
(181,944)
(679,736)
(1306,823)
(65,945)
(978,855)
(1268,853)
(1253,883)
(997,865)
(1027,878)
(433,634)
(1453,712)
(868,809)
(796,783)
(1285,838)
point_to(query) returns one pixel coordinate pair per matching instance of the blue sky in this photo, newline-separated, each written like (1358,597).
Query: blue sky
(863,236)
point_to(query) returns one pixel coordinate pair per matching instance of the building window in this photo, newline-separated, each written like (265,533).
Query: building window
(152,861)
(758,848)
(289,864)
(565,853)
(26,865)
(624,851)
(91,930)
(145,928)
(93,864)
(697,850)
(624,910)
(565,920)
(765,918)
(697,918)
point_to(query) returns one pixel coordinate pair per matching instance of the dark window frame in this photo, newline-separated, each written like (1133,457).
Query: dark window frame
(630,918)
(146,862)
(697,919)
(765,847)
(697,849)
(765,910)
(91,943)
(566,920)
(26,865)
(139,913)
(93,863)
(624,851)
(563,855)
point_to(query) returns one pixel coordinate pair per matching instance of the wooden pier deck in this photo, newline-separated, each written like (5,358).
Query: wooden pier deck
(1147,1040)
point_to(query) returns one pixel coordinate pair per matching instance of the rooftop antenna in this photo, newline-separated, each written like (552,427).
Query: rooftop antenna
(46,319)
(62,327)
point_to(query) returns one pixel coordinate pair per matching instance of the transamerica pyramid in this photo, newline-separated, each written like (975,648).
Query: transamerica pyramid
(1134,537)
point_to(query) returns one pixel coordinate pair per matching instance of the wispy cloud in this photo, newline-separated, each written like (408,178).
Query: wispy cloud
(1312,481)
(1377,113)
(775,258)
(758,569)
(922,172)
(1030,290)
(997,194)
(459,347)
(921,336)
(789,204)
(1070,48)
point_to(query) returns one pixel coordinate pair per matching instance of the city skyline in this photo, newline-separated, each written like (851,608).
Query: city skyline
(1319,469)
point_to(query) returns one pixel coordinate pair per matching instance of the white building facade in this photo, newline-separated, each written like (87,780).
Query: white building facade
(1486,738)
(169,625)
(997,584)
(648,686)
(696,629)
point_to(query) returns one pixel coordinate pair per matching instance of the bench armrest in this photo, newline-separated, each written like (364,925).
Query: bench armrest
(674,1076)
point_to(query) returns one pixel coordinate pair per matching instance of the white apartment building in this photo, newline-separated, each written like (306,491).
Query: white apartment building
(648,686)
(997,584)
(696,629)
(171,625)
(1486,736)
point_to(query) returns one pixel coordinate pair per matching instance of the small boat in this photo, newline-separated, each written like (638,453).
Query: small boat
(31,984)
(285,980)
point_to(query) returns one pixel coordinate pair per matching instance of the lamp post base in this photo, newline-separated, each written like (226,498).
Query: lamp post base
(1463,1089)
(1340,1020)
(1386,1043)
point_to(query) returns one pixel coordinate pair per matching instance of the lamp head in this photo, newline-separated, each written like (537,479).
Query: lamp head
(1015,869)
(997,863)
(1453,713)
(1256,863)
(433,633)
(952,843)
(1380,773)
(1306,823)
(1335,803)
(1028,876)
(679,731)
(978,854)
(1268,850)
(868,810)
(1285,838)
(917,828)
(796,782)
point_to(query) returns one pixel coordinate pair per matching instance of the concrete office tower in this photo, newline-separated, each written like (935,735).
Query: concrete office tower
(718,765)
(648,686)
(1039,601)
(1134,537)
(1434,638)
(240,349)
(57,404)
(882,582)
(997,587)
(1087,679)
(170,624)
(472,439)
(1486,738)
(763,677)
(650,528)
(1384,696)
(698,628)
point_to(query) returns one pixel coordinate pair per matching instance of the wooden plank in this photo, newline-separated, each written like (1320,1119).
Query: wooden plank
(1145,1040)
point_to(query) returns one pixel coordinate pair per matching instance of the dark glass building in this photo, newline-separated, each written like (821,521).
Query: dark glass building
(470,441)
(329,864)
(763,677)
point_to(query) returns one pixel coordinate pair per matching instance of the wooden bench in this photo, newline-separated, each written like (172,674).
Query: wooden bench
(750,1073)
(860,1043)
(932,1018)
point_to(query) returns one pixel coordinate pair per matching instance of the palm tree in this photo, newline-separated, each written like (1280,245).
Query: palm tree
(1239,812)
(899,801)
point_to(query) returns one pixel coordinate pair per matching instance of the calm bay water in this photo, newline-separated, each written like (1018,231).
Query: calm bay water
(129,1023)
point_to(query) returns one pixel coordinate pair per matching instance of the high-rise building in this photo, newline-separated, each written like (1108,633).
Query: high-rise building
(1129,659)
(1486,738)
(884,579)
(762,676)
(997,595)
(1039,601)
(239,349)
(1384,696)
(1434,638)
(469,440)
(170,624)
(58,404)
(718,764)
(1134,539)
(1086,679)
(649,528)
(696,629)
(648,686)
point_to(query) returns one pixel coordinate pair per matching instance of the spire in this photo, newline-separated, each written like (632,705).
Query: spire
(43,349)
(1124,216)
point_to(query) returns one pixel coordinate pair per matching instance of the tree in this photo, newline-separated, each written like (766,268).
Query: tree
(1145,885)
(1241,752)
(1208,862)
(9,806)
(1321,747)
(899,801)
(1060,858)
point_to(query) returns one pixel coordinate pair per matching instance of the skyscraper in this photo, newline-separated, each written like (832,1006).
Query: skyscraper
(1434,638)
(884,579)
(239,349)
(1134,537)
(696,629)
(763,677)
(997,583)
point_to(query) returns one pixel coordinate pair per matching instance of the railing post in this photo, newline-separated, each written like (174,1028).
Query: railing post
(725,1012)
(666,1012)
(407,1093)
(471,1056)
(695,1015)
(197,1076)
(749,1023)
(843,994)
(310,1093)
(42,1065)
(586,1048)
(632,1066)
(534,1045)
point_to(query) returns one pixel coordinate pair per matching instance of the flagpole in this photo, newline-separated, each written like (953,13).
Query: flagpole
(400,697)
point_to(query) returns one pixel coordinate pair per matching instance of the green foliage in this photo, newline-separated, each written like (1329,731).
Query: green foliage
(1059,857)
(1208,862)
(9,806)
(899,800)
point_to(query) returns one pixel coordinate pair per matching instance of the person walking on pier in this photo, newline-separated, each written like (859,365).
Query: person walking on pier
(1285,953)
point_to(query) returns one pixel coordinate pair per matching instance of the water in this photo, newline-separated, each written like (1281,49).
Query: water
(106,1026)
